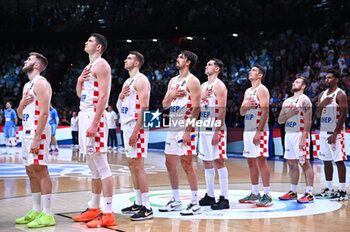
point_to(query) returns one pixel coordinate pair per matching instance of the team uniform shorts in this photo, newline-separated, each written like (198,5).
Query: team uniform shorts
(209,152)
(42,157)
(254,151)
(139,150)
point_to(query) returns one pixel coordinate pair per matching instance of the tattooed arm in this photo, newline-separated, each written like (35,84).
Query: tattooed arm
(306,107)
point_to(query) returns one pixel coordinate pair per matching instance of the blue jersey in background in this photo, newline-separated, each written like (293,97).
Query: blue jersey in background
(10,116)
(53,116)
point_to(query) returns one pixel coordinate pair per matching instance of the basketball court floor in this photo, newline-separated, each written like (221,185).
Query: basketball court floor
(71,193)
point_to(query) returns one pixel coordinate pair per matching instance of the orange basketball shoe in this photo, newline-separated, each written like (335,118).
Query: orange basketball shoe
(87,215)
(103,219)
(289,196)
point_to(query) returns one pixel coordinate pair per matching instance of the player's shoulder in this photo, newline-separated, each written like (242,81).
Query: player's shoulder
(263,88)
(342,92)
(305,97)
(102,64)
(42,82)
(143,77)
(193,79)
(220,84)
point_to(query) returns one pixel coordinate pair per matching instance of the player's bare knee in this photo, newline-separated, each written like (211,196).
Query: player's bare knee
(30,172)
(340,163)
(187,165)
(208,164)
(219,163)
(251,163)
(293,164)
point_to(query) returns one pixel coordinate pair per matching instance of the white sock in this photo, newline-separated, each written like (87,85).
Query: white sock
(195,196)
(342,187)
(223,180)
(107,204)
(293,187)
(145,200)
(36,197)
(95,201)
(46,203)
(267,190)
(210,180)
(138,200)
(309,189)
(255,189)
(176,194)
(329,185)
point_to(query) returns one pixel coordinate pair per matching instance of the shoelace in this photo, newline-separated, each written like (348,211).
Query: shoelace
(264,197)
(87,209)
(99,217)
(170,202)
(190,206)
(142,210)
(40,219)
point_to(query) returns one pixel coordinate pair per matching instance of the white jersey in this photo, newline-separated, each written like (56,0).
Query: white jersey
(130,104)
(330,113)
(180,108)
(253,116)
(31,111)
(209,106)
(90,92)
(296,122)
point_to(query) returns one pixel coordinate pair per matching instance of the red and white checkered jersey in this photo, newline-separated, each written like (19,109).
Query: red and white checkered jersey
(209,106)
(330,113)
(89,92)
(180,108)
(296,122)
(31,111)
(253,116)
(130,104)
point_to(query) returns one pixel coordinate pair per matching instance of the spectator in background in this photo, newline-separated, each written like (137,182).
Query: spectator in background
(53,121)
(74,128)
(112,121)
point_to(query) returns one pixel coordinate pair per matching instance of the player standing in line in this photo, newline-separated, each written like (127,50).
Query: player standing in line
(255,108)
(296,113)
(332,107)
(132,102)
(93,88)
(183,99)
(212,141)
(34,111)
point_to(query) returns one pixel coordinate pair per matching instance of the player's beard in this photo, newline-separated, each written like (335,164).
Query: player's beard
(178,66)
(28,69)
(295,89)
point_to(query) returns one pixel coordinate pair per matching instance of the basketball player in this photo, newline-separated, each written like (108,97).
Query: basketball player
(332,107)
(10,125)
(53,121)
(212,140)
(93,89)
(183,99)
(33,109)
(296,114)
(132,102)
(255,108)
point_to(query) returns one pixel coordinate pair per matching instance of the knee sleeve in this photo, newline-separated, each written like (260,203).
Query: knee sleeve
(101,163)
(95,174)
